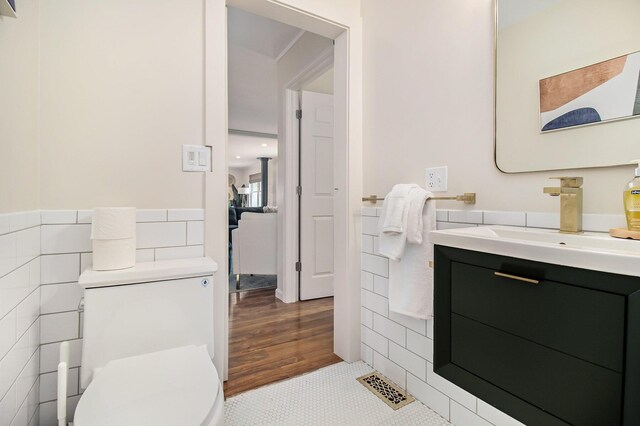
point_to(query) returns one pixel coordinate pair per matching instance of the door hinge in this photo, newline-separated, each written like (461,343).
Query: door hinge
(299,191)
(298,114)
(298,266)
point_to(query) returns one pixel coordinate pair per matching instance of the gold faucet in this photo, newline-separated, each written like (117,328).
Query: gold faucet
(570,193)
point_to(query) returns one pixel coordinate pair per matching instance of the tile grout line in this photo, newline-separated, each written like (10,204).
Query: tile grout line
(68,396)
(19,267)
(18,304)
(24,366)
(25,400)
(19,230)
(59,312)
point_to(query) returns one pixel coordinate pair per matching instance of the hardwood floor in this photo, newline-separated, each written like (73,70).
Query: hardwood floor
(270,340)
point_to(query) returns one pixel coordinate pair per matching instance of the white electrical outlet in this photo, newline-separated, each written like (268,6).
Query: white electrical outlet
(436,179)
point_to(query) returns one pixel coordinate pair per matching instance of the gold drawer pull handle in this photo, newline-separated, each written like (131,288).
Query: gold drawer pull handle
(517,278)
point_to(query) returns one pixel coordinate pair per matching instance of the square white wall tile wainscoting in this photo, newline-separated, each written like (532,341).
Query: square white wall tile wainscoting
(401,347)
(42,254)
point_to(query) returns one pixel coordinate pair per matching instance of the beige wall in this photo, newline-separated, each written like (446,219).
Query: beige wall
(122,89)
(19,153)
(428,101)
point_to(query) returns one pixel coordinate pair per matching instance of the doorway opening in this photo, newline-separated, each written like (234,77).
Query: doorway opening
(280,135)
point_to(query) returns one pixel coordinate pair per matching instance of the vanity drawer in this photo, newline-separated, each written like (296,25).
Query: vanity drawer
(568,388)
(581,322)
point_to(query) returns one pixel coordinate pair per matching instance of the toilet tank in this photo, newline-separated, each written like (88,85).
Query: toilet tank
(150,307)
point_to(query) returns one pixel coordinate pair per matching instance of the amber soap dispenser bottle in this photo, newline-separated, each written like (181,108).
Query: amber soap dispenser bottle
(632,201)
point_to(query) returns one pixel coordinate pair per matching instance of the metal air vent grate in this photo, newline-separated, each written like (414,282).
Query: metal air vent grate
(386,390)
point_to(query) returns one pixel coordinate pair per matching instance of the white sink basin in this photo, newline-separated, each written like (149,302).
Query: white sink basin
(589,250)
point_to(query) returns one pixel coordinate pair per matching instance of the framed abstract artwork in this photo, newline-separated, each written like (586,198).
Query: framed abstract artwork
(609,90)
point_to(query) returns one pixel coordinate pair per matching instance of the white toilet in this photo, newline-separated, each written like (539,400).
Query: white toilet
(148,346)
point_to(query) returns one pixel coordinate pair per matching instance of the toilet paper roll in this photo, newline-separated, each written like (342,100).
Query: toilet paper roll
(113,223)
(109,255)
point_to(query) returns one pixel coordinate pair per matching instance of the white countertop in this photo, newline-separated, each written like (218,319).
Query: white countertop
(589,250)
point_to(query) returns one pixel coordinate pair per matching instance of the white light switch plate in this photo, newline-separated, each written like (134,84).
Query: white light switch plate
(436,179)
(196,158)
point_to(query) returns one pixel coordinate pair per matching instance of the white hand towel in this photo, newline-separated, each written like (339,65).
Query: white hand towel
(417,199)
(393,219)
(392,245)
(410,278)
(392,227)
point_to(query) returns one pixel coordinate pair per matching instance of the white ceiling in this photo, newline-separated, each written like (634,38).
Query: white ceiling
(255,43)
(258,34)
(249,148)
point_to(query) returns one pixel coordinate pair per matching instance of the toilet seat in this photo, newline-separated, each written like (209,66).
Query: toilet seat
(172,387)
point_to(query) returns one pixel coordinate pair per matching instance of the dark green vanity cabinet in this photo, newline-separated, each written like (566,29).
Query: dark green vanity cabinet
(560,347)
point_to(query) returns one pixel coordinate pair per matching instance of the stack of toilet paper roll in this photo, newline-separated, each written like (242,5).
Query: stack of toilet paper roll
(113,234)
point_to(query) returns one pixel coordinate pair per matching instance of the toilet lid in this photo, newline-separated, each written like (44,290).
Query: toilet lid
(172,387)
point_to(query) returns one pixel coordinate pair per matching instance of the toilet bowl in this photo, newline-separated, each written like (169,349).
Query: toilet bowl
(147,346)
(172,387)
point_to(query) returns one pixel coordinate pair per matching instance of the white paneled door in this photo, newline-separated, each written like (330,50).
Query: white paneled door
(316,210)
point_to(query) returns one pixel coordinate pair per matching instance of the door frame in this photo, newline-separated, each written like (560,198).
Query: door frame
(289,218)
(343,24)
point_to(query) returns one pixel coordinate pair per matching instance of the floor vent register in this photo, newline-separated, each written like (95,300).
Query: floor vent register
(386,390)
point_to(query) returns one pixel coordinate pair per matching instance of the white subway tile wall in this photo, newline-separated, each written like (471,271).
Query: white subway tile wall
(429,395)
(161,234)
(48,410)
(58,217)
(390,369)
(58,327)
(505,218)
(465,216)
(389,329)
(411,362)
(66,252)
(184,252)
(20,317)
(495,416)
(603,222)
(69,238)
(42,254)
(462,416)
(49,384)
(401,347)
(185,215)
(195,233)
(543,220)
